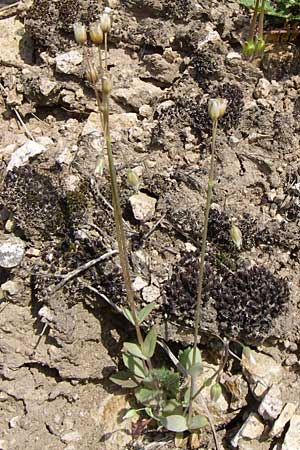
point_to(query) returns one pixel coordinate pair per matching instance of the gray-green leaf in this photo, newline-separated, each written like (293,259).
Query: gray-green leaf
(134,364)
(144,312)
(198,422)
(175,423)
(123,378)
(134,350)
(150,343)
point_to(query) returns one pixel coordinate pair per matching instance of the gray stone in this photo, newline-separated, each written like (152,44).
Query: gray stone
(143,206)
(150,293)
(251,429)
(22,155)
(271,405)
(11,287)
(11,252)
(292,437)
(136,94)
(72,436)
(261,373)
(68,62)
(15,45)
(284,417)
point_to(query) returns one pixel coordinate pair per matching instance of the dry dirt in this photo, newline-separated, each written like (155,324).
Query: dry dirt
(59,346)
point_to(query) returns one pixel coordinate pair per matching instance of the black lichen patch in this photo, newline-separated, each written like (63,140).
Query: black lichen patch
(40,208)
(205,68)
(178,9)
(50,23)
(234,95)
(245,300)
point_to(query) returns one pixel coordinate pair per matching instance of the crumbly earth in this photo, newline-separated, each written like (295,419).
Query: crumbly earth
(167,58)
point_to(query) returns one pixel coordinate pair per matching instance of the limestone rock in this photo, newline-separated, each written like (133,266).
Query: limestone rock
(261,373)
(271,404)
(68,62)
(150,293)
(251,429)
(292,437)
(15,46)
(22,155)
(262,89)
(122,121)
(284,417)
(137,94)
(143,206)
(11,252)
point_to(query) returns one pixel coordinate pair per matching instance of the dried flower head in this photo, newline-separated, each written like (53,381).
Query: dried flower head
(80,33)
(217,108)
(106,21)
(106,85)
(92,74)
(96,33)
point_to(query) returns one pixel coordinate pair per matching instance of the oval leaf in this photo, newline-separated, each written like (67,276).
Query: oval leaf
(123,378)
(134,350)
(134,364)
(144,312)
(175,423)
(130,414)
(198,422)
(150,343)
(128,314)
(215,392)
(145,395)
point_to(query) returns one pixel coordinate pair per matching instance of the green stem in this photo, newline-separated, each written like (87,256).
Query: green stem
(261,21)
(121,240)
(253,22)
(211,180)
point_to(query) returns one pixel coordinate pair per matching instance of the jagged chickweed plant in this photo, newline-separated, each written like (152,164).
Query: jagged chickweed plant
(167,396)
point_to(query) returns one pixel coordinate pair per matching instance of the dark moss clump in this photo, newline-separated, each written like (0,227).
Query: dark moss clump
(50,23)
(205,68)
(246,301)
(234,95)
(178,9)
(41,209)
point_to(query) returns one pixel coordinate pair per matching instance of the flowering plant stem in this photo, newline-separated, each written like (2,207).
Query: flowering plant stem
(211,181)
(121,240)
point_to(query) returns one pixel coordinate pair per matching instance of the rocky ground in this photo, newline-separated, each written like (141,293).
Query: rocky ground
(59,339)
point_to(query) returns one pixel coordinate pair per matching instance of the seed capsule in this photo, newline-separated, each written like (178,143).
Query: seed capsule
(92,74)
(96,33)
(80,33)
(106,22)
(133,179)
(106,85)
(217,108)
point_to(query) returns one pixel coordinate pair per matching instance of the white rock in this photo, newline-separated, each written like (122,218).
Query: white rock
(92,125)
(21,156)
(145,111)
(11,252)
(271,405)
(150,293)
(263,374)
(47,86)
(14,421)
(292,437)
(143,206)
(137,94)
(72,436)
(123,120)
(3,444)
(15,45)
(68,62)
(233,55)
(11,287)
(251,429)
(211,36)
(139,284)
(284,417)
(263,88)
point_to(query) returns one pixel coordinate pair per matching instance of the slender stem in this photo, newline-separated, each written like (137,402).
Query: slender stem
(211,180)
(119,222)
(253,21)
(261,21)
(105,49)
